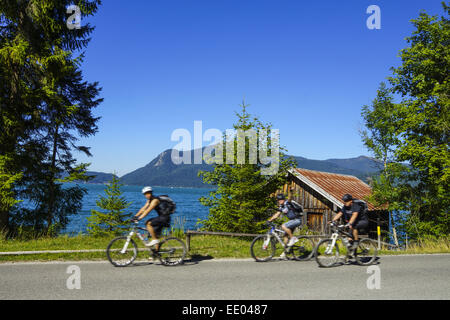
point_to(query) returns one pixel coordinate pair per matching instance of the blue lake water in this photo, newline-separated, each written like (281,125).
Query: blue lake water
(188,205)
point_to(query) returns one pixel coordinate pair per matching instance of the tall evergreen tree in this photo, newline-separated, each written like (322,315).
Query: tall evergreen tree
(242,200)
(45,105)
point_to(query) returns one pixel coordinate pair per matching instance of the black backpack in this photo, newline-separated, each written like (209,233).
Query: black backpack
(297,207)
(169,205)
(363,204)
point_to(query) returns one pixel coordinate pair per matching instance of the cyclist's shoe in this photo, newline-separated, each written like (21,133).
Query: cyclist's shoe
(152,243)
(352,249)
(152,256)
(283,256)
(292,241)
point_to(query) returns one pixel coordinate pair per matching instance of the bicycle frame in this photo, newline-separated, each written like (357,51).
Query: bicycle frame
(337,233)
(134,231)
(364,254)
(274,232)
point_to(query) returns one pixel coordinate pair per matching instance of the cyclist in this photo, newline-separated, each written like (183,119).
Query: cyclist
(156,224)
(286,208)
(354,214)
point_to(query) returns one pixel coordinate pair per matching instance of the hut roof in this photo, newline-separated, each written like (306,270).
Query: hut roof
(333,186)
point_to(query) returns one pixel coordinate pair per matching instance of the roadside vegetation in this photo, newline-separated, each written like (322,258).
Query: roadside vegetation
(202,248)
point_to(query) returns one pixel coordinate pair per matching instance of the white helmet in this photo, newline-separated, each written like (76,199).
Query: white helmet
(147,189)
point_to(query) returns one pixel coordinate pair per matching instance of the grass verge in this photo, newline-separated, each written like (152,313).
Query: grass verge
(202,247)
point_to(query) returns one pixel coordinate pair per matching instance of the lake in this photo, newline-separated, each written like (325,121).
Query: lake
(188,206)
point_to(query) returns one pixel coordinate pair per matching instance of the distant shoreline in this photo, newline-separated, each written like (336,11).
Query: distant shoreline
(137,185)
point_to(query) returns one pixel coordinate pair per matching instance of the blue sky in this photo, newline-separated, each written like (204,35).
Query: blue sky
(305,66)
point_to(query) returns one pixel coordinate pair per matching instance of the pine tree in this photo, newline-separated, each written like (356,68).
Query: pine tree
(112,219)
(45,106)
(242,200)
(7,196)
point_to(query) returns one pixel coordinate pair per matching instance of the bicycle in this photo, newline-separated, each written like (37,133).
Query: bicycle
(327,252)
(263,247)
(122,251)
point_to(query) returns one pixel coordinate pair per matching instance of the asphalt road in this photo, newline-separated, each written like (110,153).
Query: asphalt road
(401,277)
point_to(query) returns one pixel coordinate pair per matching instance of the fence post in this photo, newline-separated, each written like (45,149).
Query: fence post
(188,242)
(378,232)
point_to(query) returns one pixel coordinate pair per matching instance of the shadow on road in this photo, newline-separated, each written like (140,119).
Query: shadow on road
(141,264)
(353,263)
(195,259)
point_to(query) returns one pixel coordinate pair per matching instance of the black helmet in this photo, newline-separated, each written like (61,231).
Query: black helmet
(347,197)
(281,196)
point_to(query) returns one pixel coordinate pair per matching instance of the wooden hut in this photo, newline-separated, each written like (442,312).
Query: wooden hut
(320,194)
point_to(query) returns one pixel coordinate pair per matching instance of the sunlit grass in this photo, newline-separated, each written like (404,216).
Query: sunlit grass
(425,246)
(201,246)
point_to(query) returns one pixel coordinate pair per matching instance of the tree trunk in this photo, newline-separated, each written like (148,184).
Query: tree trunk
(4,217)
(395,235)
(51,198)
(391,218)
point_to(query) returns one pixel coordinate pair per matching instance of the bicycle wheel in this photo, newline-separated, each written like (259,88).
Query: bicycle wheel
(326,254)
(120,256)
(366,252)
(303,249)
(262,248)
(172,251)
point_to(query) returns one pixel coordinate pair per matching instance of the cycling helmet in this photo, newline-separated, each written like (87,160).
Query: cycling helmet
(147,189)
(347,197)
(281,196)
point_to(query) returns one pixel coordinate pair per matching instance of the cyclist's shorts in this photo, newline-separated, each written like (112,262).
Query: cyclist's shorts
(292,224)
(159,222)
(361,224)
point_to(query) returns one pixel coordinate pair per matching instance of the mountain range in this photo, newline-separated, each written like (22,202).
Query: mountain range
(161,171)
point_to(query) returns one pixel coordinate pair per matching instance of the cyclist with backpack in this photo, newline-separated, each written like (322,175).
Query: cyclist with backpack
(354,213)
(293,211)
(163,205)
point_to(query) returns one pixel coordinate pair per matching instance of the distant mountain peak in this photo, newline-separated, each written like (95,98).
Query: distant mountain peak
(161,171)
(161,159)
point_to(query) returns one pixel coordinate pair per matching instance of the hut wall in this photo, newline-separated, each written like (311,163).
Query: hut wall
(319,210)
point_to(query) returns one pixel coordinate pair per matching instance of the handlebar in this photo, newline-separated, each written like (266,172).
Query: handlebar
(271,224)
(335,225)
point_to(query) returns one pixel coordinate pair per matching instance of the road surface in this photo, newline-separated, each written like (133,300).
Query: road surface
(401,277)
